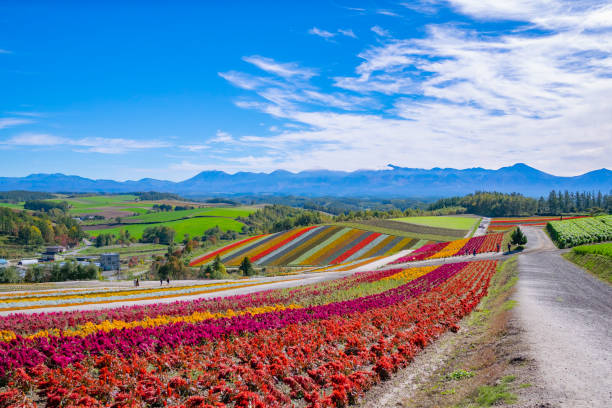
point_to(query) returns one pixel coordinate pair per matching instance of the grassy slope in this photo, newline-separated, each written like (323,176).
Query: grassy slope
(132,249)
(427,237)
(176,215)
(599,265)
(460,223)
(192,226)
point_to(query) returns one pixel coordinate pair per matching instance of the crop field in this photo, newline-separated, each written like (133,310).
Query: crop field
(316,245)
(467,246)
(447,222)
(405,229)
(504,224)
(319,345)
(191,226)
(598,249)
(580,231)
(201,212)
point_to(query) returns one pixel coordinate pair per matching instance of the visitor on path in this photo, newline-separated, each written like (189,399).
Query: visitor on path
(168,280)
(509,247)
(497,247)
(137,282)
(161,282)
(474,251)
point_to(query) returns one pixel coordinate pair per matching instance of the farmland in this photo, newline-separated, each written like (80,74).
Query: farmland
(570,233)
(467,246)
(317,345)
(506,223)
(596,258)
(316,245)
(192,226)
(449,222)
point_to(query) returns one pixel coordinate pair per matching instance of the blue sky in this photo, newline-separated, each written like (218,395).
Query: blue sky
(126,90)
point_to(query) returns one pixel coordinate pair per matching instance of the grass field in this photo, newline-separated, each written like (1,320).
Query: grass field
(176,215)
(458,223)
(13,206)
(596,259)
(132,249)
(191,226)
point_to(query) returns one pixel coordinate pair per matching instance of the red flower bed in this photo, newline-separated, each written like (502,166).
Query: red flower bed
(326,361)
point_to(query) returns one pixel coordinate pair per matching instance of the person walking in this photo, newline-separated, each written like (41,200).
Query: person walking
(161,282)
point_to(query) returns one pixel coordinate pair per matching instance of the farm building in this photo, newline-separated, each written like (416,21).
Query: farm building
(53,253)
(109,262)
(26,262)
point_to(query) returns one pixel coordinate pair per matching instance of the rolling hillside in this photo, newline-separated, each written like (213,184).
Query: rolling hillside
(310,246)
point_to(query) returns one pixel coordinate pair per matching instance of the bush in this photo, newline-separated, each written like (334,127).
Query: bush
(246,268)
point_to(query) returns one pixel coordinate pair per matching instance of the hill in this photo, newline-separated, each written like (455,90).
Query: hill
(392,182)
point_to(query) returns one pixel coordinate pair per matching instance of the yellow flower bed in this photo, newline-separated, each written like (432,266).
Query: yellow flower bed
(112,293)
(451,249)
(108,325)
(172,295)
(411,273)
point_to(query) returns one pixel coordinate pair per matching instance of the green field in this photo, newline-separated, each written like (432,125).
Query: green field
(596,259)
(13,206)
(459,223)
(131,250)
(177,215)
(599,249)
(191,226)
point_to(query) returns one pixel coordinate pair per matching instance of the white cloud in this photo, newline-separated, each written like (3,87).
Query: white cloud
(88,144)
(285,70)
(8,122)
(321,33)
(387,13)
(222,137)
(378,30)
(5,51)
(457,97)
(347,32)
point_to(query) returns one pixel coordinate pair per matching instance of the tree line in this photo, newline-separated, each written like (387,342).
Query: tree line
(52,227)
(495,204)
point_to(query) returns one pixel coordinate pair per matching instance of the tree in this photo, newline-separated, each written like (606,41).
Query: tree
(518,238)
(218,269)
(246,268)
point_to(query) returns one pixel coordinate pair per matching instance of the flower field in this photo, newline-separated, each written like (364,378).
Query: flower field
(504,224)
(309,246)
(319,345)
(46,299)
(583,231)
(466,246)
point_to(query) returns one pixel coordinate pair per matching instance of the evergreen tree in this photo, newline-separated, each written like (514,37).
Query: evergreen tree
(246,268)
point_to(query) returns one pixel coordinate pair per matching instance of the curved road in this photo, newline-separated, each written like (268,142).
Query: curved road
(567,317)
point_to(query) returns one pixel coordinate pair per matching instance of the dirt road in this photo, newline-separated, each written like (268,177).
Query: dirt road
(567,317)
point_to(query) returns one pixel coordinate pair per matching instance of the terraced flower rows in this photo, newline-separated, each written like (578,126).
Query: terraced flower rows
(45,299)
(315,245)
(504,224)
(479,245)
(320,345)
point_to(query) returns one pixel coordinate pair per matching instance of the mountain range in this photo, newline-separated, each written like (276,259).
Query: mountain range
(392,182)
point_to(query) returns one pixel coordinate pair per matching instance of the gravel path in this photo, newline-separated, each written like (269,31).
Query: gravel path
(567,317)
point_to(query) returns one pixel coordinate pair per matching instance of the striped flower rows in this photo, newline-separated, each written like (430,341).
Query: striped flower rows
(466,246)
(319,345)
(504,224)
(310,246)
(37,301)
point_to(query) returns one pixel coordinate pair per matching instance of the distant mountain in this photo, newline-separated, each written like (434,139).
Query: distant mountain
(393,182)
